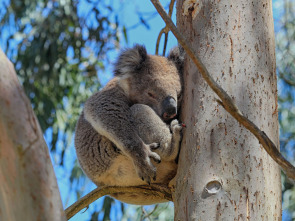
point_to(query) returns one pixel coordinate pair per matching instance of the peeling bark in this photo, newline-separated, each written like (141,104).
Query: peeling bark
(224,174)
(28,188)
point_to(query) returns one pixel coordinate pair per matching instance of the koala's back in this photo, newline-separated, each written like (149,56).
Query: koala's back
(95,152)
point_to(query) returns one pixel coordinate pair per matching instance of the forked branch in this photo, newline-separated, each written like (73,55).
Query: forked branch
(225,99)
(165,31)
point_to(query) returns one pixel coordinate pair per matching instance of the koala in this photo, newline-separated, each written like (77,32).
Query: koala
(126,135)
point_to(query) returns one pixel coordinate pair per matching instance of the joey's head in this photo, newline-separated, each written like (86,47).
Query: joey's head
(152,80)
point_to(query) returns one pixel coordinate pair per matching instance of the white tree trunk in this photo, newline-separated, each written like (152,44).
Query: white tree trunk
(224,173)
(28,188)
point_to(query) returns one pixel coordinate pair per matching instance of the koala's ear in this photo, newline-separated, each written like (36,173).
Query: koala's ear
(130,61)
(177,55)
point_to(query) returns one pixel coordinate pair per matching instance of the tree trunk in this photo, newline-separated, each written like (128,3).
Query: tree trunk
(28,188)
(224,173)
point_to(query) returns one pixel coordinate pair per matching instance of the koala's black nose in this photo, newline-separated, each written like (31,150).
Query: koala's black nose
(169,108)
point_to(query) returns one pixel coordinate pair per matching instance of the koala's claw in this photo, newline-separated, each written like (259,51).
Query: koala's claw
(154,146)
(145,176)
(144,167)
(155,157)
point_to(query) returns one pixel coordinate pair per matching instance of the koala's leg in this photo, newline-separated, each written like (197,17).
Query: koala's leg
(151,128)
(109,114)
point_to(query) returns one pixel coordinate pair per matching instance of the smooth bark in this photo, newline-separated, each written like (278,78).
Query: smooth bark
(224,174)
(28,188)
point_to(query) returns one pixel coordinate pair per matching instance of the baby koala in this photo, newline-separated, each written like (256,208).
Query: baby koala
(123,137)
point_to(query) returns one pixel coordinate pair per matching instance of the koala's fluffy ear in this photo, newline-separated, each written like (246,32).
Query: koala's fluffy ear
(130,61)
(177,55)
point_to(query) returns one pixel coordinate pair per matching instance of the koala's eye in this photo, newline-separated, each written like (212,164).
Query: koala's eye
(151,95)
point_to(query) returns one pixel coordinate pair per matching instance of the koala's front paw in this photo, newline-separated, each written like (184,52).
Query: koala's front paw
(143,165)
(176,128)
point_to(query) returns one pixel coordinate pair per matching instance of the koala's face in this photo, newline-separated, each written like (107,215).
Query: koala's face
(158,86)
(151,80)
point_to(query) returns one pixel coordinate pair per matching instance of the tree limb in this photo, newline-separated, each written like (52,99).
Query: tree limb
(160,191)
(225,99)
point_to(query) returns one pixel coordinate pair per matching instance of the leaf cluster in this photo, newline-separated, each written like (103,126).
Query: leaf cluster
(285,53)
(58,47)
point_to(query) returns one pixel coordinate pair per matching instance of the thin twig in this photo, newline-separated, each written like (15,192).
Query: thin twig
(150,213)
(290,82)
(225,99)
(165,42)
(165,31)
(160,191)
(158,40)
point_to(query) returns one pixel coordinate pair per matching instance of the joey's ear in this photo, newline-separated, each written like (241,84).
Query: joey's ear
(130,61)
(177,55)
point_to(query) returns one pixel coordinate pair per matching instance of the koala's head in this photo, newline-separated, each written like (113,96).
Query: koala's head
(152,80)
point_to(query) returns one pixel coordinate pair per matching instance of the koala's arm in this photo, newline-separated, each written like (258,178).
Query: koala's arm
(109,114)
(151,128)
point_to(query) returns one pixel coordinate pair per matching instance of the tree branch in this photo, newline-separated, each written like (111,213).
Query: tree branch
(225,99)
(157,190)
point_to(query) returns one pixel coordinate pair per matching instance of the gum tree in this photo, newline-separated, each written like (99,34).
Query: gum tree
(224,173)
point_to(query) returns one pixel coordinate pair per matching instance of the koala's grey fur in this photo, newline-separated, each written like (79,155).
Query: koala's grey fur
(121,133)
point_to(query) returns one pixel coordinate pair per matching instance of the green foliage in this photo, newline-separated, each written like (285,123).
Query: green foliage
(58,50)
(104,211)
(106,208)
(285,51)
(162,211)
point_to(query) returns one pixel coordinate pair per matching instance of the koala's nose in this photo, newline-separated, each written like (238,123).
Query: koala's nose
(169,108)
